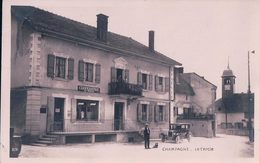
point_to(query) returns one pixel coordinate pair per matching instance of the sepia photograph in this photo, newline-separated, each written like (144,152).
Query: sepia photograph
(130,81)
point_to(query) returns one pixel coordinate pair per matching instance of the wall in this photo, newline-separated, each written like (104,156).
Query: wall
(200,128)
(20,51)
(231,117)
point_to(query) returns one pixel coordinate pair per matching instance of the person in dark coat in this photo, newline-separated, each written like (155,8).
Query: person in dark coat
(146,137)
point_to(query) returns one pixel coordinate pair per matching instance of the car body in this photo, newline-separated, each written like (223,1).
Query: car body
(177,132)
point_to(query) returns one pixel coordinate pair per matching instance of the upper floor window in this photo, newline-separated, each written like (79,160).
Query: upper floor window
(60,67)
(146,80)
(119,75)
(89,72)
(160,113)
(162,84)
(144,112)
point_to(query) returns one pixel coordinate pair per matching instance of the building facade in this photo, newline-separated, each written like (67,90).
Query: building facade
(194,101)
(232,110)
(82,82)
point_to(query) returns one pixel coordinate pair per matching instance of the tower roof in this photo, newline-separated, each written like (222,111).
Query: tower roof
(228,72)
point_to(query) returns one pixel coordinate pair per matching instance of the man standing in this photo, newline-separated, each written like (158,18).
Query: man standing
(146,137)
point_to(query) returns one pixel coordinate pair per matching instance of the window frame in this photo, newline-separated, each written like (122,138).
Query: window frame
(85,118)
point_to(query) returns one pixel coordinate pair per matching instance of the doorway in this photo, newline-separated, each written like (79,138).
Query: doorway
(58,114)
(118,116)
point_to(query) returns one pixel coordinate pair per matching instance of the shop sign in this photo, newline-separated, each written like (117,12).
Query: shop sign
(88,89)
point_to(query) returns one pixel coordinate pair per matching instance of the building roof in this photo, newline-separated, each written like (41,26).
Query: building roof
(183,87)
(236,103)
(52,24)
(187,77)
(228,73)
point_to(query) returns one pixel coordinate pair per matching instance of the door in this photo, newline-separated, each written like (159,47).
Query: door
(58,114)
(118,116)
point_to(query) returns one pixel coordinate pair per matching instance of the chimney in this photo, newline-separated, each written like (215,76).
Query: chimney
(102,21)
(151,40)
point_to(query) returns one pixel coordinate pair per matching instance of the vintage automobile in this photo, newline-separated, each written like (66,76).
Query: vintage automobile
(177,132)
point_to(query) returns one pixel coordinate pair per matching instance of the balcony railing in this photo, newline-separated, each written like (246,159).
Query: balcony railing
(116,88)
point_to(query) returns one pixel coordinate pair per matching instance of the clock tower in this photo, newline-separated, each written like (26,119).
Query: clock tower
(228,82)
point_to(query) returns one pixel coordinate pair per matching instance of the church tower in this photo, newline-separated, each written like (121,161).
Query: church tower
(228,82)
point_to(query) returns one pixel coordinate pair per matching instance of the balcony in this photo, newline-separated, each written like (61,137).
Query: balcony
(117,88)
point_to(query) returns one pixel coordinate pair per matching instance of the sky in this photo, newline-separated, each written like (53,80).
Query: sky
(201,34)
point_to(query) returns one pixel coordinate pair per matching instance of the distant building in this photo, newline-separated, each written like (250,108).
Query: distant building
(232,109)
(194,98)
(82,83)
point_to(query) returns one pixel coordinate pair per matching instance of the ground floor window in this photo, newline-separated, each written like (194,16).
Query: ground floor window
(144,112)
(160,113)
(87,110)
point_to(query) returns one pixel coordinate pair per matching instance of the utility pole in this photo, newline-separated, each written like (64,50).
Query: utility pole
(250,128)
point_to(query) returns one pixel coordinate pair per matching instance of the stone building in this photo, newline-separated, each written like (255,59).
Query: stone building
(194,99)
(79,82)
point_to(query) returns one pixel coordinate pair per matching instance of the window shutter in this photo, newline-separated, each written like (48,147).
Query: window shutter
(50,104)
(166,113)
(98,73)
(139,78)
(70,68)
(73,110)
(139,112)
(150,82)
(156,83)
(113,74)
(156,112)
(81,70)
(50,65)
(150,112)
(102,111)
(126,76)
(167,84)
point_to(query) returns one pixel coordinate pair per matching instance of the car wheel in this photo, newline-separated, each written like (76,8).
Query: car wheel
(177,139)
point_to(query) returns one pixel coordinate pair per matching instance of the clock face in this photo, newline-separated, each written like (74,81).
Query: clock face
(227,87)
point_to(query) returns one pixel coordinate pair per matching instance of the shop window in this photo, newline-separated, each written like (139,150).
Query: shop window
(87,110)
(146,80)
(89,72)
(60,67)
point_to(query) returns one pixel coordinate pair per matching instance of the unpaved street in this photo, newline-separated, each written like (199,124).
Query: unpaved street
(221,147)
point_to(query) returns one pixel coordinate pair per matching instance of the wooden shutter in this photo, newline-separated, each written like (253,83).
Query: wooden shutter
(166,113)
(98,73)
(167,84)
(150,112)
(139,78)
(139,112)
(73,110)
(70,68)
(102,111)
(50,113)
(50,65)
(156,83)
(156,112)
(81,70)
(150,82)
(126,76)
(113,74)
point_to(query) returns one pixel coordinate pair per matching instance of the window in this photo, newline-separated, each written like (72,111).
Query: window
(87,110)
(119,75)
(162,84)
(144,112)
(146,80)
(60,67)
(160,113)
(227,81)
(89,72)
